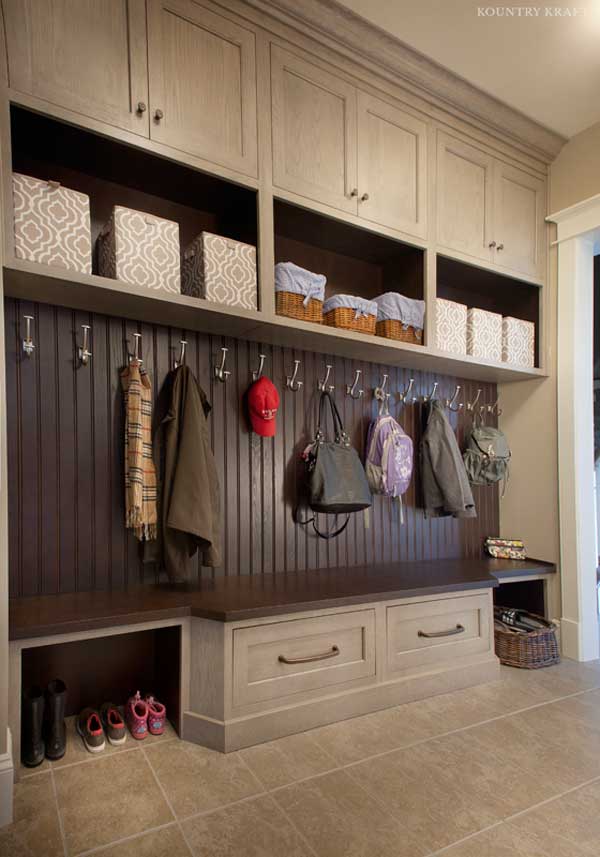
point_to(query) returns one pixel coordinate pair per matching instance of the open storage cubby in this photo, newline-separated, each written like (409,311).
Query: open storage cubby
(487,290)
(355,261)
(112,173)
(111,668)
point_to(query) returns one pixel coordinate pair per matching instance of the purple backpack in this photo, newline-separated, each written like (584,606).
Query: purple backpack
(389,459)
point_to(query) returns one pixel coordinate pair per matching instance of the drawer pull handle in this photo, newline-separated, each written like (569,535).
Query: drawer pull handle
(310,658)
(458,630)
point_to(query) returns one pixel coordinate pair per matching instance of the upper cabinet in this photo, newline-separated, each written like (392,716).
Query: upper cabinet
(202,84)
(489,211)
(88,56)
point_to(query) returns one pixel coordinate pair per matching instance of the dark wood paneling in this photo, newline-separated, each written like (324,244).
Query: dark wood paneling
(65,442)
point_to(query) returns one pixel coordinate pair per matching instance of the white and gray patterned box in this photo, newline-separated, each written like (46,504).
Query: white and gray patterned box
(221,270)
(484,334)
(52,224)
(451,326)
(518,341)
(141,249)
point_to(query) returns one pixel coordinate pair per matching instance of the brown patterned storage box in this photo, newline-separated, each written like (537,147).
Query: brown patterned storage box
(221,270)
(140,248)
(52,224)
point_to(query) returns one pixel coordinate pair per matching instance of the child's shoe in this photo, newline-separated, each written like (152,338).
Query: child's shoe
(90,728)
(157,715)
(113,723)
(136,715)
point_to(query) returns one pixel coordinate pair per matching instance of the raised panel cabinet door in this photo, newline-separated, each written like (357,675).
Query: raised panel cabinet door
(465,185)
(392,166)
(202,69)
(89,56)
(519,228)
(314,132)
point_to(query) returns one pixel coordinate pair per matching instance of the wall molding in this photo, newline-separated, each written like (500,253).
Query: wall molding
(334,25)
(6,783)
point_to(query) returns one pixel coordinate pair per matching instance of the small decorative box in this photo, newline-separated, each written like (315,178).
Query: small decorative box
(484,334)
(140,248)
(518,341)
(52,224)
(451,326)
(220,270)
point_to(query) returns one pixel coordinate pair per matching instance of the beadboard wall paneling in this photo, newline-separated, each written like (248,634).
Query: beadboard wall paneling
(65,453)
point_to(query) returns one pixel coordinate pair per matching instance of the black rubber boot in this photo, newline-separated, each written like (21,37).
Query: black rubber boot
(32,718)
(56,729)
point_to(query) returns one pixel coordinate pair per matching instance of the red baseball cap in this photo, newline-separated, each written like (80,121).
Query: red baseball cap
(263,402)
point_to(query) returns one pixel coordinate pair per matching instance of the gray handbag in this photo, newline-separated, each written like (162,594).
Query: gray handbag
(487,456)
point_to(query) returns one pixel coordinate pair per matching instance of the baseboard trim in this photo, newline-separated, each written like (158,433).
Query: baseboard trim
(7,776)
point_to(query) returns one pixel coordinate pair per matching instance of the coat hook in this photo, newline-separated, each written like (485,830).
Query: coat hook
(221,373)
(351,388)
(494,409)
(28,346)
(258,372)
(471,405)
(322,385)
(379,392)
(431,395)
(407,391)
(291,382)
(451,404)
(136,349)
(181,359)
(83,351)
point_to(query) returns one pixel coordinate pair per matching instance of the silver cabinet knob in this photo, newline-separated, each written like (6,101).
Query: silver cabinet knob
(492,244)
(500,247)
(364,197)
(354,191)
(158,115)
(141,107)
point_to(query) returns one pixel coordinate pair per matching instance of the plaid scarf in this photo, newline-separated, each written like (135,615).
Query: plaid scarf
(140,475)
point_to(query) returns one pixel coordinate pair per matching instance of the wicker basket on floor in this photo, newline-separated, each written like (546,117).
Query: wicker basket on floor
(292,306)
(390,328)
(345,318)
(528,651)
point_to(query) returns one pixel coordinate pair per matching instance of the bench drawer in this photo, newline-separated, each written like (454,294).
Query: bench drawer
(432,633)
(299,656)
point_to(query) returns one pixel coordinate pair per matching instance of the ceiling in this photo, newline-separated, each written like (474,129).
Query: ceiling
(546,66)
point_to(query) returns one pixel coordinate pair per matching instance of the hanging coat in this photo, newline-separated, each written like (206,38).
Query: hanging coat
(446,489)
(190,514)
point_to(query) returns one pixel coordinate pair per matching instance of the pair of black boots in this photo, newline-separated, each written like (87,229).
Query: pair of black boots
(43,728)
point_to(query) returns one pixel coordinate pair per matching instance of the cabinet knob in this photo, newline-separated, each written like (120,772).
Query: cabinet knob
(500,247)
(364,197)
(158,115)
(491,245)
(354,191)
(141,107)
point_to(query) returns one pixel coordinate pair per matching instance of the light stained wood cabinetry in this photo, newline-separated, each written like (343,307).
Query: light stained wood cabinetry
(519,210)
(88,56)
(202,84)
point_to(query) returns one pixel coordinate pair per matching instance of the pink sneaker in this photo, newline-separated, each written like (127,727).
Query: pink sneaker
(157,715)
(136,715)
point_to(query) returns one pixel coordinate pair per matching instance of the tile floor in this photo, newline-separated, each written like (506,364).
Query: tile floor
(509,769)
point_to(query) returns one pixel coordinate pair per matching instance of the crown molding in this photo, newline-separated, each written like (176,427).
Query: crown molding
(327,21)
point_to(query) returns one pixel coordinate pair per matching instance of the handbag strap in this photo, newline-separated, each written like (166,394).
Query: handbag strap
(329,535)
(338,426)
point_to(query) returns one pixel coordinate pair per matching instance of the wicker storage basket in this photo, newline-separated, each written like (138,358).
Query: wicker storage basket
(292,305)
(529,651)
(350,312)
(392,329)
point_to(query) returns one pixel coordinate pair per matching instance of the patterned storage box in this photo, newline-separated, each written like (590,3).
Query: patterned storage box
(451,326)
(52,224)
(518,341)
(221,270)
(484,334)
(140,248)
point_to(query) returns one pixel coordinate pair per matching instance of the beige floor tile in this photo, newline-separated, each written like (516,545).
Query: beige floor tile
(282,762)
(507,841)
(35,828)
(559,680)
(167,842)
(76,751)
(254,828)
(197,779)
(25,772)
(118,797)
(339,819)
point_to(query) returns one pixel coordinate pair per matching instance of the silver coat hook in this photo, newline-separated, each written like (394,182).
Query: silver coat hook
(431,395)
(181,359)
(221,373)
(351,388)
(471,405)
(28,346)
(406,392)
(494,409)
(451,404)
(379,392)
(83,351)
(258,372)
(291,382)
(322,385)
(136,349)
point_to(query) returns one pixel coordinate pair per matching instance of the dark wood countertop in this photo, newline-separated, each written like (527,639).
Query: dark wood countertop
(228,599)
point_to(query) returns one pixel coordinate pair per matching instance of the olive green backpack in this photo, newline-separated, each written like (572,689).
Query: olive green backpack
(487,456)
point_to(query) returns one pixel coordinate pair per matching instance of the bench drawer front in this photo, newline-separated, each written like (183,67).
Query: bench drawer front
(432,633)
(299,656)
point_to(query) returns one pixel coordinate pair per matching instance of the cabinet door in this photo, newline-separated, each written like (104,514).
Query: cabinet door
(519,229)
(392,166)
(464,198)
(88,56)
(314,132)
(202,84)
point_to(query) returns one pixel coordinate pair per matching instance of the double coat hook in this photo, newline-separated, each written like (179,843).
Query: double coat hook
(404,395)
(221,373)
(136,349)
(431,396)
(452,404)
(351,388)
(322,385)
(472,405)
(256,374)
(83,351)
(291,382)
(28,346)
(181,359)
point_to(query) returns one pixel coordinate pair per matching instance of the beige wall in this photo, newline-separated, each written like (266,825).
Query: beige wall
(575,174)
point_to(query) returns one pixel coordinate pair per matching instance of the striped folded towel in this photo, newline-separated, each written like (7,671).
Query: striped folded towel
(140,474)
